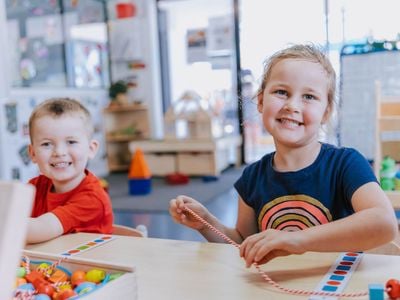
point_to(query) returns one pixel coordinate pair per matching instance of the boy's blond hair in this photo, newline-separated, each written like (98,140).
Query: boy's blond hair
(308,52)
(57,107)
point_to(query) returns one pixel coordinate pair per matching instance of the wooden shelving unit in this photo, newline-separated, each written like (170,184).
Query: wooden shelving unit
(387,137)
(197,157)
(124,124)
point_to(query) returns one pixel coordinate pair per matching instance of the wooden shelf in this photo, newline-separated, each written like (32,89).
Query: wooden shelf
(116,168)
(205,157)
(119,124)
(387,122)
(394,197)
(122,138)
(124,108)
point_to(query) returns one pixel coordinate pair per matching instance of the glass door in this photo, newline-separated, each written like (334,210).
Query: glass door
(198,60)
(264,29)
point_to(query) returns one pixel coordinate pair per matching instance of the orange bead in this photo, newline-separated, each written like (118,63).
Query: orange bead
(393,288)
(58,276)
(20,281)
(78,277)
(65,294)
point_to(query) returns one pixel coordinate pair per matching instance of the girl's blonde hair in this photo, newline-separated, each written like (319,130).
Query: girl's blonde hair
(307,52)
(57,107)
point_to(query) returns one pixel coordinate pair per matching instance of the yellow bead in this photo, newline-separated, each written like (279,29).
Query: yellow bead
(95,275)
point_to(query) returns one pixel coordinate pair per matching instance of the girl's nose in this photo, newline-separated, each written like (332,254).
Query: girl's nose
(292,105)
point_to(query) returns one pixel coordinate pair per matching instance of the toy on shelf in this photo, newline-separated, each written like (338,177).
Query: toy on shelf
(118,92)
(387,173)
(125,10)
(139,175)
(129,131)
(186,118)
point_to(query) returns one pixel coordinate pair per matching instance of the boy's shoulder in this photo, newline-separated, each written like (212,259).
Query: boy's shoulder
(92,185)
(39,180)
(90,181)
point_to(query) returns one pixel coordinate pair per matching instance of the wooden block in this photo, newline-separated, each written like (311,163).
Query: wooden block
(376,291)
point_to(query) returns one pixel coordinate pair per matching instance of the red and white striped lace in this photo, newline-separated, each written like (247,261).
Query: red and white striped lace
(267,278)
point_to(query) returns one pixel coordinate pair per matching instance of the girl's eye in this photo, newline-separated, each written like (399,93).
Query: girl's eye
(47,144)
(309,97)
(281,92)
(72,142)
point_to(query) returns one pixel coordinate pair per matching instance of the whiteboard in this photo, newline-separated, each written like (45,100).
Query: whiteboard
(357,106)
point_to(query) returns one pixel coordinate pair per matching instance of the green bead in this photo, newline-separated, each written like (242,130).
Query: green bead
(21,272)
(115,276)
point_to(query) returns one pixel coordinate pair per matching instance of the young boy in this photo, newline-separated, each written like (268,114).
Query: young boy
(68,198)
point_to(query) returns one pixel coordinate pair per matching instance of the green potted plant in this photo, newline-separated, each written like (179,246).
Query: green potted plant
(118,92)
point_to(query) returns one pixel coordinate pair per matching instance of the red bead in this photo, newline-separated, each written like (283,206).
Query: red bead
(65,294)
(46,288)
(393,288)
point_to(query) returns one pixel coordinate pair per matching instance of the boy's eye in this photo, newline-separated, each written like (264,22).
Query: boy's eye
(46,144)
(71,142)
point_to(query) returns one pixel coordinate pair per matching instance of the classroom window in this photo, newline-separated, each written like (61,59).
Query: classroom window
(57,43)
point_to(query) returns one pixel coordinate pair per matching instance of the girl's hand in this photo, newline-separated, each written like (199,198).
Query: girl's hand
(262,247)
(183,217)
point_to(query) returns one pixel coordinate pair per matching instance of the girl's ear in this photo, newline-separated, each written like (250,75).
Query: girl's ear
(31,153)
(260,102)
(93,147)
(327,114)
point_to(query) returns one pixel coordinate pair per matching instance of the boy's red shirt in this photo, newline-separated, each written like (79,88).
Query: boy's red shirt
(87,208)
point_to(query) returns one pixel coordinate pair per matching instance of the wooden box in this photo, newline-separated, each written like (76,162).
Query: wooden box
(123,287)
(161,164)
(196,163)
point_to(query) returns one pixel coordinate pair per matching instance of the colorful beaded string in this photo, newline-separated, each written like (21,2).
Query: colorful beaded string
(30,295)
(391,286)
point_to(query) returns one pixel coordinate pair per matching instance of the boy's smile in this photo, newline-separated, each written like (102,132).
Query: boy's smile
(61,165)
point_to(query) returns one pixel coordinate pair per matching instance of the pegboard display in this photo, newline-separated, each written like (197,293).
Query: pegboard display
(360,67)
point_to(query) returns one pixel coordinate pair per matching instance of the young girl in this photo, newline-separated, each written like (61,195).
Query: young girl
(307,195)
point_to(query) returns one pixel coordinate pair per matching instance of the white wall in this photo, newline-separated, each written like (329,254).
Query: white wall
(4,84)
(13,130)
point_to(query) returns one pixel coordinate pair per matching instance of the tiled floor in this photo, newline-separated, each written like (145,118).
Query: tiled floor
(160,225)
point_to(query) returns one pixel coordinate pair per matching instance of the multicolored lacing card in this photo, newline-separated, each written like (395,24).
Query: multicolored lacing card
(101,240)
(338,275)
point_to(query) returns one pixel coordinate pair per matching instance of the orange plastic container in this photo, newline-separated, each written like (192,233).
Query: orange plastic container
(125,10)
